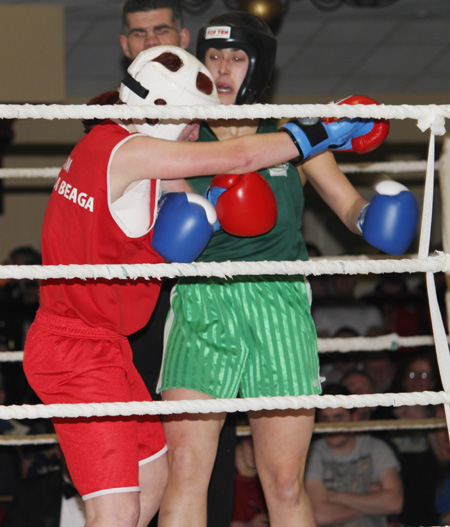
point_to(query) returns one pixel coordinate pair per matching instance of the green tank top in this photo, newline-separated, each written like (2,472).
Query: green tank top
(285,240)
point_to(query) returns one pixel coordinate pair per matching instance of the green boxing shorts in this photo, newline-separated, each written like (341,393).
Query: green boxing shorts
(252,336)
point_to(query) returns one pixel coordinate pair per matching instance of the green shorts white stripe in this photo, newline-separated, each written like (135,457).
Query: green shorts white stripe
(252,336)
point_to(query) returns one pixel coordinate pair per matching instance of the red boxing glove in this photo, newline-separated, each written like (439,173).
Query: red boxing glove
(375,137)
(248,206)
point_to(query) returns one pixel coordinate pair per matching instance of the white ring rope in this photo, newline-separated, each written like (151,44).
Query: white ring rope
(431,423)
(46,172)
(38,439)
(427,116)
(390,342)
(202,406)
(393,167)
(433,264)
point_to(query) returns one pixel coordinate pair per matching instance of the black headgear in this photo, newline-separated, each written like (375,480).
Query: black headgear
(241,30)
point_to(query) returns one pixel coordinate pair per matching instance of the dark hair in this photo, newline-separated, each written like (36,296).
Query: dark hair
(105,98)
(27,254)
(134,6)
(356,371)
(346,329)
(336,389)
(417,355)
(312,249)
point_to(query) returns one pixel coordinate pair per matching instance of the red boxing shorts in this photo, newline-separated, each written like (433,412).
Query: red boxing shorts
(66,361)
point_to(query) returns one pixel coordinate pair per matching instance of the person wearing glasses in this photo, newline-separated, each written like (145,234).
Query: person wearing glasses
(418,373)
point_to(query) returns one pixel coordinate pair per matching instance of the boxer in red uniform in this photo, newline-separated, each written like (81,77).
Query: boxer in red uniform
(103,210)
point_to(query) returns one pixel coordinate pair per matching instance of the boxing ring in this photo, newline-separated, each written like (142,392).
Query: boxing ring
(430,119)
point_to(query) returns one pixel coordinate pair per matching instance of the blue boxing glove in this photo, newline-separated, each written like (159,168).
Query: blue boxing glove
(314,136)
(183,227)
(389,221)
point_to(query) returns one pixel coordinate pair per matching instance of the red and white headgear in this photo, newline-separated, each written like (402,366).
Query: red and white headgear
(166,75)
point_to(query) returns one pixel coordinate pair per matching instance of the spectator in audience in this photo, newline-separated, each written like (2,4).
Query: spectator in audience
(402,308)
(46,499)
(19,300)
(358,382)
(351,479)
(249,504)
(418,373)
(344,308)
(9,457)
(320,286)
(6,137)
(440,279)
(440,446)
(381,368)
(333,366)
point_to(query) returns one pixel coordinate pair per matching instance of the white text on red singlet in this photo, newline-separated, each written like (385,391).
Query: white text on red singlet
(71,193)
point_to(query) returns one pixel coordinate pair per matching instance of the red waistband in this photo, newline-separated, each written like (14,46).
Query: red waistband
(72,326)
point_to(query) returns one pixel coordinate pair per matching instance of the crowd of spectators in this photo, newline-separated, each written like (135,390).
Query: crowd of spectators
(392,306)
(393,477)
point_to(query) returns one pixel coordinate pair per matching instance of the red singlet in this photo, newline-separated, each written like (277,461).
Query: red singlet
(78,228)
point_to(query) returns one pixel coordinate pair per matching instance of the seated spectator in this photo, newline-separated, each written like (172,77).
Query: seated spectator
(358,382)
(320,286)
(381,368)
(333,366)
(342,308)
(47,499)
(440,280)
(440,446)
(9,456)
(418,373)
(21,297)
(19,300)
(249,505)
(402,309)
(351,479)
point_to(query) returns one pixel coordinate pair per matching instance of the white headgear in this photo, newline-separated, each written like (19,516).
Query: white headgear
(166,75)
